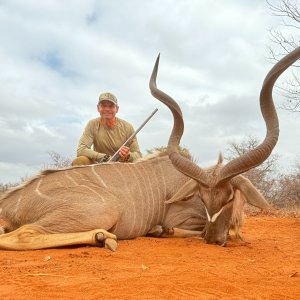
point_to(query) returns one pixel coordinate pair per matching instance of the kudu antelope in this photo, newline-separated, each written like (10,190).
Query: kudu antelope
(97,204)
(216,188)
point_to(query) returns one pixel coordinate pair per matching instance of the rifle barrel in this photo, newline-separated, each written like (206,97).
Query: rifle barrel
(116,156)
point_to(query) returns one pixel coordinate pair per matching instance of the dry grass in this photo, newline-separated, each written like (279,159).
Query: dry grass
(290,211)
(5,187)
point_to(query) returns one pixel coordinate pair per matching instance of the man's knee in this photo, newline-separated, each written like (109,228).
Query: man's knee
(82,160)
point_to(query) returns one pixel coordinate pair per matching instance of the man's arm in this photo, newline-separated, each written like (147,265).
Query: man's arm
(134,151)
(85,143)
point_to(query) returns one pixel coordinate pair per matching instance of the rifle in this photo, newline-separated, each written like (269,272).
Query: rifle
(116,156)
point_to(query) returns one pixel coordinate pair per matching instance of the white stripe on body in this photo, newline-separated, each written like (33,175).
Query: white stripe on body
(142,198)
(116,170)
(136,221)
(81,176)
(17,205)
(157,178)
(98,177)
(150,195)
(163,190)
(70,178)
(39,192)
(92,190)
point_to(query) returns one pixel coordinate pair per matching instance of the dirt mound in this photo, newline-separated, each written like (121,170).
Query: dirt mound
(151,268)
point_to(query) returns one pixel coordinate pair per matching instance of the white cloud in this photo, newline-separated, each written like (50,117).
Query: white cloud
(57,56)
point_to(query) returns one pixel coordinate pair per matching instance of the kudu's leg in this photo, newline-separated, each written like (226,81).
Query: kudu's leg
(31,237)
(159,231)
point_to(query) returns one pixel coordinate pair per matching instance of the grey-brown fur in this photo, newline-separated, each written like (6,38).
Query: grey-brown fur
(126,199)
(84,198)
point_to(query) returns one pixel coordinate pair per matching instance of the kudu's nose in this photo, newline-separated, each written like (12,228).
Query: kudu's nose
(221,243)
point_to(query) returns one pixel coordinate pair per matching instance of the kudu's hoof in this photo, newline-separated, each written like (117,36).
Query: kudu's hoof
(111,244)
(156,231)
(106,242)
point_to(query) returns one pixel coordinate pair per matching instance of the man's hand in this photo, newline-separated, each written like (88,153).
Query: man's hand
(124,153)
(103,159)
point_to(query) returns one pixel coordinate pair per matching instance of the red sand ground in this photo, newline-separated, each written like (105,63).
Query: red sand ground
(152,268)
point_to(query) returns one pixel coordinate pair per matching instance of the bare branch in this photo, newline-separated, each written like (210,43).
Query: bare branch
(289,13)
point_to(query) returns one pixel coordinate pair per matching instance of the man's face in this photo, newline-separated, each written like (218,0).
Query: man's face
(107,110)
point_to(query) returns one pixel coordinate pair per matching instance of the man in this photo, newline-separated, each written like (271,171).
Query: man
(106,134)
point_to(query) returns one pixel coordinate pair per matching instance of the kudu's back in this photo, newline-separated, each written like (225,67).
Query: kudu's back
(126,199)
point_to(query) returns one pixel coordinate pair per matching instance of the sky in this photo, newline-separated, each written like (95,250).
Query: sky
(56,57)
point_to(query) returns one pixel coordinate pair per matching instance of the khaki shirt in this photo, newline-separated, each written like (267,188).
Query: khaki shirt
(107,141)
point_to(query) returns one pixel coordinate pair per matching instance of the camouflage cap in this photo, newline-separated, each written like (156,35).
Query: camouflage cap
(109,97)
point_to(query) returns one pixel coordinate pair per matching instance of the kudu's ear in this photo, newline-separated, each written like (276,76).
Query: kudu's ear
(251,194)
(186,192)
